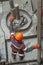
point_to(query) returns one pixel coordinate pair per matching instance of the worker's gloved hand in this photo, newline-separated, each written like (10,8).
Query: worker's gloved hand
(12,36)
(36,46)
(11,19)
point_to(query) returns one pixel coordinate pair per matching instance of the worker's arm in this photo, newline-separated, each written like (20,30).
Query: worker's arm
(11,19)
(32,48)
(12,36)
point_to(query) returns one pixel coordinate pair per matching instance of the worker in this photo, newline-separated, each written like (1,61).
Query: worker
(18,45)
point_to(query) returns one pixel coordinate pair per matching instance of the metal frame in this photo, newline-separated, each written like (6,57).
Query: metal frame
(22,62)
(38,36)
(39,32)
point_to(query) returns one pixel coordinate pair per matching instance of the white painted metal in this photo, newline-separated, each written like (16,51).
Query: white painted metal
(28,56)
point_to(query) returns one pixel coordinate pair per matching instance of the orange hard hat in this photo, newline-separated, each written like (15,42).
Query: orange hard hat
(19,36)
(11,18)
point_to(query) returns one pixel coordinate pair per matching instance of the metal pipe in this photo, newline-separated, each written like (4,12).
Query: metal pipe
(26,37)
(12,7)
(17,11)
(6,51)
(21,62)
(32,5)
(39,33)
(11,3)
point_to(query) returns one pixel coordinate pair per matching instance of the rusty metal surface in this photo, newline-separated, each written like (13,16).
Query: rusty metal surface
(39,32)
(2,63)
